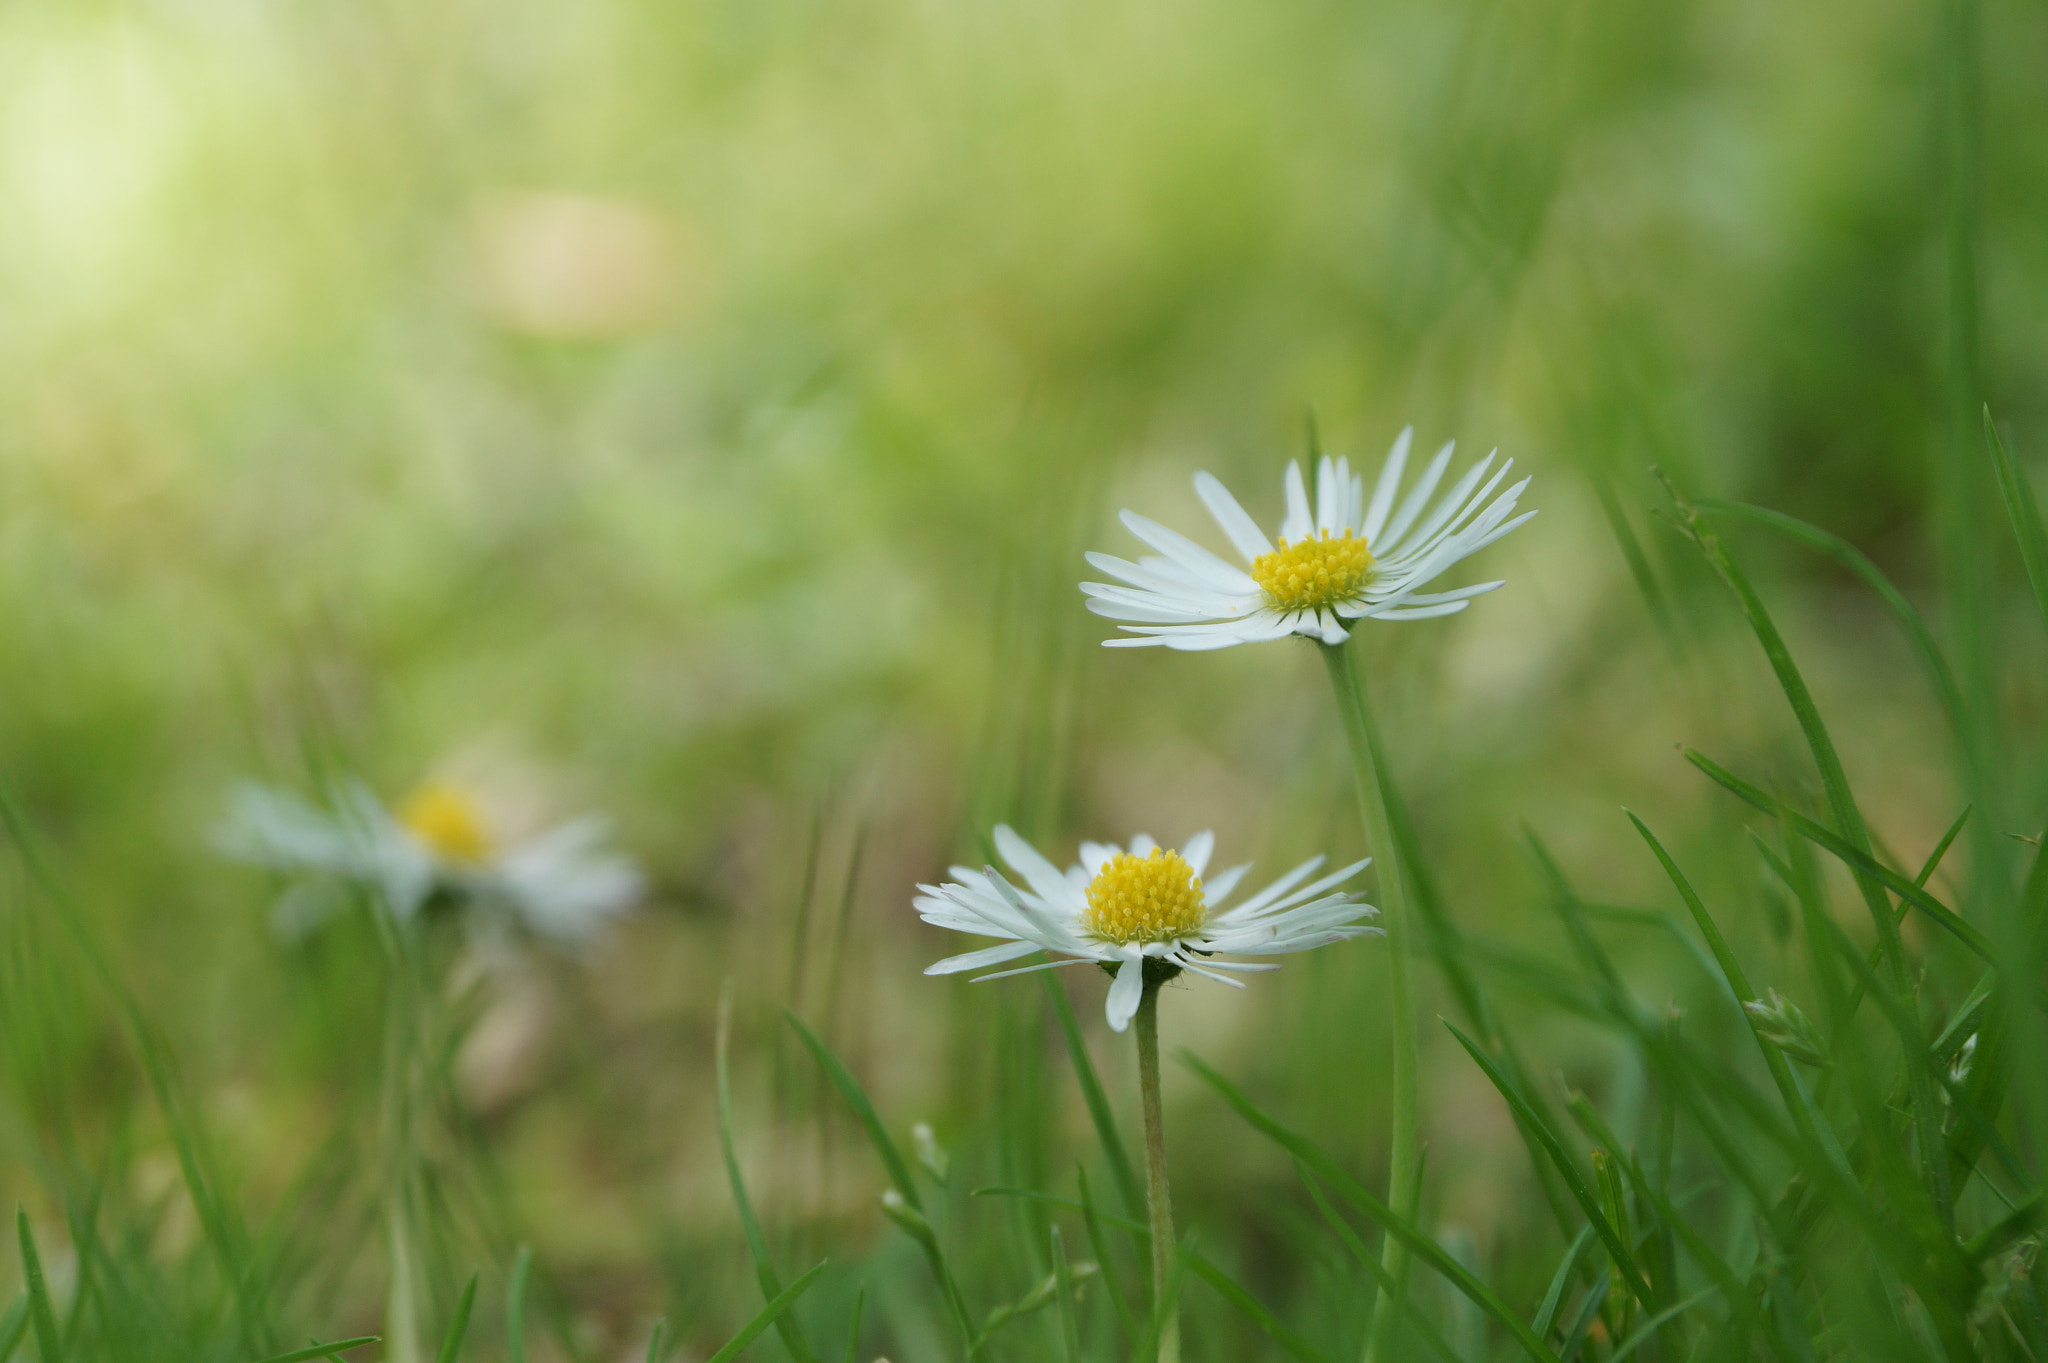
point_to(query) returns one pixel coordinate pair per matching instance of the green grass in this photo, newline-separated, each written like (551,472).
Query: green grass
(695,412)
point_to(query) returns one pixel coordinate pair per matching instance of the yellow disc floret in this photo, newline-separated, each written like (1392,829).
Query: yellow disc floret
(445,818)
(1153,898)
(1314,572)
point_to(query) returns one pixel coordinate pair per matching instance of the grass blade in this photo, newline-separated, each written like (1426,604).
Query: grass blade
(1416,1321)
(757,1244)
(1422,1246)
(860,1303)
(1255,1311)
(1926,1114)
(1099,1112)
(1737,980)
(1861,862)
(857,1099)
(49,1344)
(2018,496)
(771,1314)
(322,1350)
(1070,1338)
(458,1329)
(1546,1315)
(515,1306)
(1097,1241)
(1852,558)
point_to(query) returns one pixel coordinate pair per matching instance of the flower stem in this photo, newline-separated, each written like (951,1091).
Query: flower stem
(1403,1166)
(1157,1195)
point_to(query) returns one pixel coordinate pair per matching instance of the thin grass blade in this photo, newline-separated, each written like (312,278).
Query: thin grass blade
(315,1350)
(458,1329)
(764,1264)
(857,1098)
(49,1344)
(768,1315)
(1422,1246)
(1099,1111)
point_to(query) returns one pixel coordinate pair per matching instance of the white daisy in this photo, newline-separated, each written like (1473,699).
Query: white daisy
(1342,560)
(1127,908)
(561,884)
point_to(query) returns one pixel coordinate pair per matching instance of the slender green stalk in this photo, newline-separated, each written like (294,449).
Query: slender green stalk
(1158,1196)
(1359,732)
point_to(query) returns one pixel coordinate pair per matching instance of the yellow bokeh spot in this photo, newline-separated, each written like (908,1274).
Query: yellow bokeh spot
(445,818)
(1153,898)
(1315,572)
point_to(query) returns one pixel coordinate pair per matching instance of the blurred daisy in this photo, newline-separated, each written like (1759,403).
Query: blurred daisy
(561,885)
(1341,559)
(1125,908)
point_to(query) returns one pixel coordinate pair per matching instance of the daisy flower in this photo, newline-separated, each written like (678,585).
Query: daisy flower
(561,885)
(1339,560)
(1129,909)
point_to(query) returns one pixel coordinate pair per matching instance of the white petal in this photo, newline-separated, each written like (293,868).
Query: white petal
(1126,990)
(1417,499)
(1299,525)
(1040,874)
(1389,483)
(1208,569)
(1245,535)
(1027,969)
(975,960)
(1195,851)
(1223,882)
(1329,503)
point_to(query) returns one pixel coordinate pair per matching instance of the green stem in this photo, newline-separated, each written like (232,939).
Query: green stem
(1157,1195)
(1403,1164)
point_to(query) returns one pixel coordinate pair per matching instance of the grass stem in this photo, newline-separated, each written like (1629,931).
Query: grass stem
(1158,1196)
(1402,1163)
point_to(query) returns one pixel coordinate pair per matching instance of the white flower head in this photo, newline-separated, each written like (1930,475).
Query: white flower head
(561,885)
(1124,907)
(1341,559)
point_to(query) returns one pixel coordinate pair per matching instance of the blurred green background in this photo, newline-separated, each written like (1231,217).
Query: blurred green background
(695,411)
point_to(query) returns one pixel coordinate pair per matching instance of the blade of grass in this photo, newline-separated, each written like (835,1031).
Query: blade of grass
(1650,1326)
(860,1302)
(1352,1191)
(771,1314)
(2018,496)
(757,1244)
(1546,1314)
(458,1329)
(1099,1111)
(49,1344)
(654,1340)
(322,1350)
(1859,862)
(1852,558)
(1927,1121)
(1737,981)
(1617,1248)
(1070,1339)
(1367,1260)
(857,1099)
(217,1218)
(13,1326)
(515,1306)
(907,1210)
(1256,1312)
(1111,1279)
(1702,1253)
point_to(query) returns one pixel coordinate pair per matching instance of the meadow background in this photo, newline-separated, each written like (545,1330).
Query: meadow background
(696,411)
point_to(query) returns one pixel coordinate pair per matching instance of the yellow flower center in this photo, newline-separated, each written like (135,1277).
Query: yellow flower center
(1314,572)
(445,818)
(1153,898)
